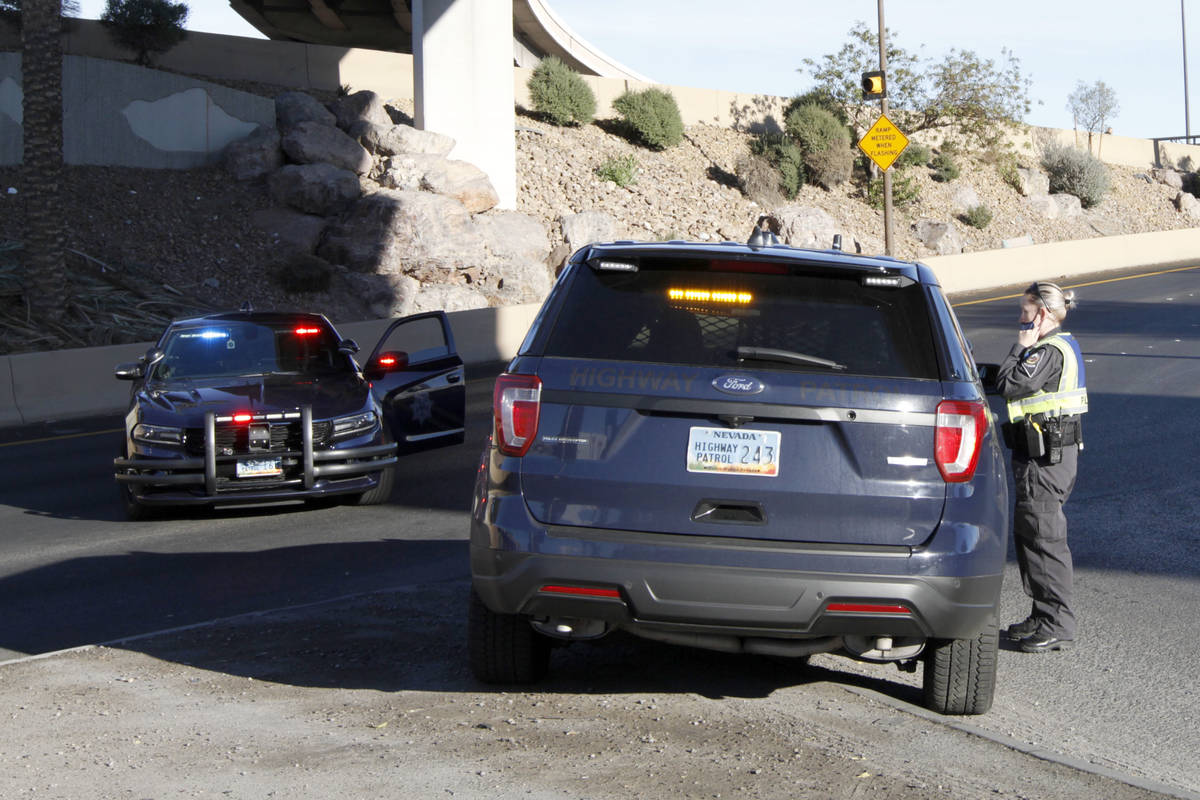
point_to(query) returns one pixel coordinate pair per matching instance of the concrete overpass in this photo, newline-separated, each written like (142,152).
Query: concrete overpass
(463,54)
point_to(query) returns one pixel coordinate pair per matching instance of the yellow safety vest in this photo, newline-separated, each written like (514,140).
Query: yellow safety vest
(1070,398)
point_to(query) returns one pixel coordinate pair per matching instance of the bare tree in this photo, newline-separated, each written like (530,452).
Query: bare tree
(1093,107)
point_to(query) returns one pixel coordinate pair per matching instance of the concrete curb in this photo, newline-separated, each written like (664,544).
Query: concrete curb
(40,387)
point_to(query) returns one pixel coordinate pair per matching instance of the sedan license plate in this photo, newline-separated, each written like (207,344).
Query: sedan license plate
(733,451)
(259,468)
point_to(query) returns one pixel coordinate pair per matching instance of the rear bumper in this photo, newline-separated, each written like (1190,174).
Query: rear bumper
(723,586)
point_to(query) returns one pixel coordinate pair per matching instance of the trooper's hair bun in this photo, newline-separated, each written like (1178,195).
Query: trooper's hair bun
(1053,298)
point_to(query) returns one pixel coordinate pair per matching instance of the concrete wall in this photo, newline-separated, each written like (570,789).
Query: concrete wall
(117,114)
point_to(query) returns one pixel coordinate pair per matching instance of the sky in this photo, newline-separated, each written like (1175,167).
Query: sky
(1136,48)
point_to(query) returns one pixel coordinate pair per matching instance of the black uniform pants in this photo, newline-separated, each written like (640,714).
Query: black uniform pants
(1040,535)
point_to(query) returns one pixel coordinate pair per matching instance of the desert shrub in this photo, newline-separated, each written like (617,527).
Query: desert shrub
(145,26)
(653,116)
(1075,172)
(978,216)
(915,155)
(621,170)
(905,192)
(944,167)
(759,180)
(558,93)
(825,143)
(786,157)
(1006,168)
(822,98)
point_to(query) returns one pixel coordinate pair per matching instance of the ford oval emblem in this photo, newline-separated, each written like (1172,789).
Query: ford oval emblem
(738,384)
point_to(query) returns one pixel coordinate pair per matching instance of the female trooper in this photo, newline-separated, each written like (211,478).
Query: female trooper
(1042,379)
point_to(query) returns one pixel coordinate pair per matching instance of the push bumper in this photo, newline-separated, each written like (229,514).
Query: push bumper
(309,472)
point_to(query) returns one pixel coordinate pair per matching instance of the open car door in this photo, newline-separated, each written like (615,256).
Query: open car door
(417,376)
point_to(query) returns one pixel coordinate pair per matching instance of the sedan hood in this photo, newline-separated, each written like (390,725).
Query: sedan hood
(184,403)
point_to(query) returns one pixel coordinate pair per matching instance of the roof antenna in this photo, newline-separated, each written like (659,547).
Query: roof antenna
(762,236)
(246,307)
(837,241)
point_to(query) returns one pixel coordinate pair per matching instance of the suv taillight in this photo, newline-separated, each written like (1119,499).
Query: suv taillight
(960,428)
(515,405)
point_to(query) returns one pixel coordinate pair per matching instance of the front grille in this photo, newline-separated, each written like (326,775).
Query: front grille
(235,439)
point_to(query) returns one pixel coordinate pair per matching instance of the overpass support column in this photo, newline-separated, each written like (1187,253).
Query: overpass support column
(463,83)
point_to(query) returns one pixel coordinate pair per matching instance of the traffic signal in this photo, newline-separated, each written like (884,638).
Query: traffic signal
(873,85)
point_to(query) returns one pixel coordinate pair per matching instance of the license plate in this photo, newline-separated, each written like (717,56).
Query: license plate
(259,468)
(733,451)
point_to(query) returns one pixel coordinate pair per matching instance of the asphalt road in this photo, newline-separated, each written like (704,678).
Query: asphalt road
(72,571)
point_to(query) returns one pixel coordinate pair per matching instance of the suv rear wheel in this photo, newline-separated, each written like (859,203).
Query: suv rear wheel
(504,648)
(960,674)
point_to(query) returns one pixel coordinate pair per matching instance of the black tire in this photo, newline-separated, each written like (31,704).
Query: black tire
(382,491)
(504,648)
(960,674)
(135,511)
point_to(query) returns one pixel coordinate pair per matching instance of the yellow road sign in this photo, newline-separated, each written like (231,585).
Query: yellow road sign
(883,143)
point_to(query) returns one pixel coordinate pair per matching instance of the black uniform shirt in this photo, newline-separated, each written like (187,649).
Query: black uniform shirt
(1025,370)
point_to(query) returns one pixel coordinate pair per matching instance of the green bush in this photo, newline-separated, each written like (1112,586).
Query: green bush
(653,116)
(905,192)
(825,143)
(1075,172)
(915,155)
(944,168)
(818,97)
(1006,168)
(145,26)
(559,94)
(759,180)
(786,157)
(978,217)
(621,170)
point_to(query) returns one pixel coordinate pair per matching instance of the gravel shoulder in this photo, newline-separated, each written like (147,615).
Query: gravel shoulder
(370,696)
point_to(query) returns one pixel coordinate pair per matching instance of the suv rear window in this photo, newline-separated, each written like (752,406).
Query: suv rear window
(725,314)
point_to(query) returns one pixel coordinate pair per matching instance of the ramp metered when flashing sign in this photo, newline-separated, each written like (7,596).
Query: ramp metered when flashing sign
(883,143)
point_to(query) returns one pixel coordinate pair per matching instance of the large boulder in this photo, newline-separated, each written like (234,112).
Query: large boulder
(383,296)
(314,143)
(1188,205)
(253,156)
(365,106)
(941,237)
(290,231)
(1032,182)
(587,227)
(1044,206)
(964,199)
(807,226)
(321,189)
(463,181)
(292,108)
(1069,206)
(415,233)
(515,248)
(388,139)
(1168,177)
(407,171)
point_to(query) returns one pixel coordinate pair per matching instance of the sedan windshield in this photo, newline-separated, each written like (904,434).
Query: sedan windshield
(226,349)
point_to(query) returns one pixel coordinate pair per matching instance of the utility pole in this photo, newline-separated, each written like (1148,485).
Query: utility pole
(887,174)
(1187,124)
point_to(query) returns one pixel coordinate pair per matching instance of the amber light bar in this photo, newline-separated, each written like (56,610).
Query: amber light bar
(869,608)
(584,591)
(707,296)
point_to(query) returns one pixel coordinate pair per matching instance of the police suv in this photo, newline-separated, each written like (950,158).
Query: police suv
(747,448)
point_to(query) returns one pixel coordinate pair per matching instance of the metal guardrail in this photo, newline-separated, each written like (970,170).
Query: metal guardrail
(1189,139)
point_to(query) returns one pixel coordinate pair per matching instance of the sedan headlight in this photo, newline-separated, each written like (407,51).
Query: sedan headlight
(157,434)
(354,425)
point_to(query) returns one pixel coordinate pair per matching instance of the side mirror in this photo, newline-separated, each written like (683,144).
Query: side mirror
(153,356)
(385,362)
(130,371)
(987,376)
(348,347)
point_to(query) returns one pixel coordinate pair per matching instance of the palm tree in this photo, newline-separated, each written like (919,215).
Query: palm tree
(42,165)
